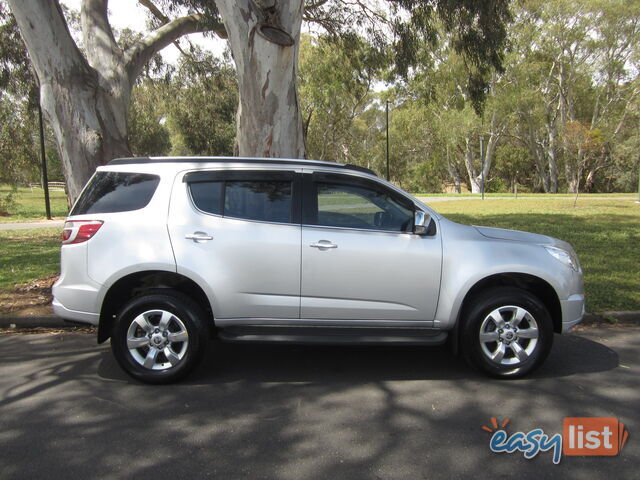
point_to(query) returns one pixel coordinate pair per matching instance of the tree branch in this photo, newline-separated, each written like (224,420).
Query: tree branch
(99,41)
(154,10)
(51,47)
(141,52)
(218,29)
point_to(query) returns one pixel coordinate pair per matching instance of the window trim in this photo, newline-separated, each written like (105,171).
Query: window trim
(202,176)
(310,197)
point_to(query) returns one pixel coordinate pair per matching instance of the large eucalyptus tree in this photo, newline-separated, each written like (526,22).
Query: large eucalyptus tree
(86,96)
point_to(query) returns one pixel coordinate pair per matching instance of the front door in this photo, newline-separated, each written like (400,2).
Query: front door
(360,258)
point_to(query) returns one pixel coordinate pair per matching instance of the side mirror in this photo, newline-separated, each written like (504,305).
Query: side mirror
(421,222)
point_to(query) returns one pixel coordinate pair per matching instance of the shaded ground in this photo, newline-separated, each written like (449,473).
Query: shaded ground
(305,412)
(29,299)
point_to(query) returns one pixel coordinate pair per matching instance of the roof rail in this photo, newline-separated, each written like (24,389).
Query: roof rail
(358,168)
(197,159)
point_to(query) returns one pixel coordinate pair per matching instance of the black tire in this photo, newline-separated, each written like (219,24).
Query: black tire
(171,343)
(510,355)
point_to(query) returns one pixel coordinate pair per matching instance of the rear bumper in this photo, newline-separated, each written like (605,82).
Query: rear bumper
(84,317)
(572,311)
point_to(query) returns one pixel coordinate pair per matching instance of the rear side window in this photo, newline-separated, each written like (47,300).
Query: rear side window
(207,196)
(262,200)
(111,192)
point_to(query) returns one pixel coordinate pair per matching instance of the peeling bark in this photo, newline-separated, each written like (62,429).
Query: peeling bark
(86,126)
(269,122)
(86,99)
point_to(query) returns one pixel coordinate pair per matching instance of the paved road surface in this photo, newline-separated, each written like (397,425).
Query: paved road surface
(31,225)
(68,411)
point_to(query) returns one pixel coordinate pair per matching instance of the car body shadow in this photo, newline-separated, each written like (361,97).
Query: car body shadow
(227,362)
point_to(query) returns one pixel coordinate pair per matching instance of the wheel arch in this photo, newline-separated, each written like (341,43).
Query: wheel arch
(535,285)
(136,284)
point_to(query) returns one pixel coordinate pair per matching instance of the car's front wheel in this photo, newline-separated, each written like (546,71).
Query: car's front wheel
(507,332)
(159,337)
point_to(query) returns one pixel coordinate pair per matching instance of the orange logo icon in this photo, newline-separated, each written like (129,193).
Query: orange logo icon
(593,436)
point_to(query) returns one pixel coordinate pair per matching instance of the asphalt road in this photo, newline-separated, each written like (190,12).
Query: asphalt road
(68,411)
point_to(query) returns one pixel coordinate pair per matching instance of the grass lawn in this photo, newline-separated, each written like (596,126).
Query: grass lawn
(30,204)
(605,234)
(26,255)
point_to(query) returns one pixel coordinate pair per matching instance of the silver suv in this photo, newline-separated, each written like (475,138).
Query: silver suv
(164,253)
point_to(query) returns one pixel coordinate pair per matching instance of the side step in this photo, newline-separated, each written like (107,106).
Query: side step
(333,335)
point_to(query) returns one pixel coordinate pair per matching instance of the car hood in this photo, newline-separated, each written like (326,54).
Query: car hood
(518,236)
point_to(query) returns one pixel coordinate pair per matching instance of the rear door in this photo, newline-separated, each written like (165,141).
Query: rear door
(360,258)
(238,233)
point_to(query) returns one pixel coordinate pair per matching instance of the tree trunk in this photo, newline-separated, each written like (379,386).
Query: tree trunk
(87,136)
(573,172)
(552,136)
(86,100)
(269,123)
(83,116)
(453,173)
(536,152)
(488,153)
(471,169)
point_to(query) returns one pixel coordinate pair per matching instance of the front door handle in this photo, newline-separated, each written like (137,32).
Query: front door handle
(322,244)
(198,237)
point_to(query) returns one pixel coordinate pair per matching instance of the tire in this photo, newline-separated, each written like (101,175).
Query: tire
(159,337)
(507,332)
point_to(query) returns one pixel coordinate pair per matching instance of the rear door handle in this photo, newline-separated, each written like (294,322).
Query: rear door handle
(322,244)
(198,237)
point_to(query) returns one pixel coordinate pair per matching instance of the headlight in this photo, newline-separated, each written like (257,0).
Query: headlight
(565,257)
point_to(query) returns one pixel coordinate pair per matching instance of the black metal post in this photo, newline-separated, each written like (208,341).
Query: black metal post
(43,159)
(387,110)
(638,183)
(482,160)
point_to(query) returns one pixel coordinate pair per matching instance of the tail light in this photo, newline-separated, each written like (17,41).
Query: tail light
(78,231)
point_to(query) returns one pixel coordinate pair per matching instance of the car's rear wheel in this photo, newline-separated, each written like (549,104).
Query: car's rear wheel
(507,332)
(159,337)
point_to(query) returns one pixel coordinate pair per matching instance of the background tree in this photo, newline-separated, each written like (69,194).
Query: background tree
(201,103)
(335,81)
(90,125)
(85,95)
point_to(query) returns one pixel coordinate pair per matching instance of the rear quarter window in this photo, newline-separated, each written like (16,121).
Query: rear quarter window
(111,192)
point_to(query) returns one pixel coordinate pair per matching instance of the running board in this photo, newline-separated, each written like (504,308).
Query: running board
(333,335)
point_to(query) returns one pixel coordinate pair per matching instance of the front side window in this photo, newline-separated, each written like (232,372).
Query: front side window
(251,199)
(340,204)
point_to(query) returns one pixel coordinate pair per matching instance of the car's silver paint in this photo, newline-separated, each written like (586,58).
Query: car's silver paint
(370,275)
(469,257)
(250,268)
(241,283)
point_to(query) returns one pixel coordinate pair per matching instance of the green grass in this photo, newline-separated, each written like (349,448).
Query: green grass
(30,205)
(604,233)
(26,255)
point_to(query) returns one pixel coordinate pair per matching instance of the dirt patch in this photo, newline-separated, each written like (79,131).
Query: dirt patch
(49,331)
(28,299)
